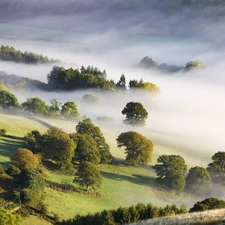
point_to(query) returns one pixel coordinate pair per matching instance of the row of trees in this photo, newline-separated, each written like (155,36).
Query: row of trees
(172,173)
(11,54)
(125,215)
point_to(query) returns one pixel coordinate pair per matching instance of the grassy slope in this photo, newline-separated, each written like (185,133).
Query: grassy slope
(123,185)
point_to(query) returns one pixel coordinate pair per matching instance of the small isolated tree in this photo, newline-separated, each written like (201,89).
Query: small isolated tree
(138,149)
(217,168)
(135,113)
(8,218)
(88,176)
(87,127)
(171,171)
(198,180)
(35,105)
(70,110)
(193,64)
(24,159)
(121,84)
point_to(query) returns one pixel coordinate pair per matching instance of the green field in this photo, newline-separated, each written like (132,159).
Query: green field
(123,185)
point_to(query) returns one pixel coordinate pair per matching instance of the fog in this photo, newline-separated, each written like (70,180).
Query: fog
(186,117)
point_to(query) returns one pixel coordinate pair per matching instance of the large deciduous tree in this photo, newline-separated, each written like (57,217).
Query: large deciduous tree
(86,149)
(70,110)
(7,99)
(87,127)
(135,113)
(35,105)
(198,180)
(138,149)
(24,159)
(88,176)
(171,171)
(217,167)
(58,146)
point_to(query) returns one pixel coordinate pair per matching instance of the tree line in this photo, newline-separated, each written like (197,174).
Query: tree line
(8,53)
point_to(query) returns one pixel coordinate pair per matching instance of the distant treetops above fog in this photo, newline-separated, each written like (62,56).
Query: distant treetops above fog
(148,62)
(11,54)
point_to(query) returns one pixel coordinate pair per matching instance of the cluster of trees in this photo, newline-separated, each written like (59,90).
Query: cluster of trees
(148,62)
(11,54)
(172,173)
(125,215)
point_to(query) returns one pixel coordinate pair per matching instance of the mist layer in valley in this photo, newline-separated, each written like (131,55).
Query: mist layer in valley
(186,117)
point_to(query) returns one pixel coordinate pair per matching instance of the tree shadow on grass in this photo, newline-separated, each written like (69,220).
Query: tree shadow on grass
(134,178)
(8,146)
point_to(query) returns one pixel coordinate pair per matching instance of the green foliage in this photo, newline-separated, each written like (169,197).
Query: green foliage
(217,167)
(87,127)
(7,218)
(33,180)
(35,105)
(58,146)
(138,149)
(198,180)
(70,79)
(33,140)
(121,215)
(121,84)
(13,170)
(24,159)
(209,203)
(135,113)
(7,99)
(70,110)
(193,64)
(2,132)
(88,176)
(54,106)
(171,171)
(86,149)
(90,99)
(30,197)
(11,54)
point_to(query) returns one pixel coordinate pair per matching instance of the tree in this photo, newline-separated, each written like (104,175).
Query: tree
(88,176)
(193,64)
(90,99)
(58,146)
(7,218)
(87,127)
(86,149)
(148,62)
(217,167)
(135,113)
(7,99)
(35,105)
(70,110)
(171,171)
(33,140)
(198,180)
(207,204)
(121,84)
(138,149)
(24,159)
(55,105)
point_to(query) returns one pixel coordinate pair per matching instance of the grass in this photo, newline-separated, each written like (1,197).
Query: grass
(35,220)
(7,147)
(19,125)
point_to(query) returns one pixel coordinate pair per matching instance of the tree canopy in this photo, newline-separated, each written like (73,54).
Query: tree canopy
(87,127)
(7,218)
(88,176)
(70,110)
(7,99)
(217,167)
(138,149)
(35,105)
(135,113)
(171,171)
(24,159)
(198,180)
